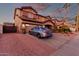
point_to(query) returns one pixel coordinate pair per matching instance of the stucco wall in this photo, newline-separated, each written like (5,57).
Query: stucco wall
(18,12)
(18,23)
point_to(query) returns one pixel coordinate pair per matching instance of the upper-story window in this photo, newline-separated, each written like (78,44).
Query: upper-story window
(24,14)
(27,14)
(30,15)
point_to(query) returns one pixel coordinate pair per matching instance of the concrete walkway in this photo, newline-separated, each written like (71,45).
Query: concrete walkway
(71,48)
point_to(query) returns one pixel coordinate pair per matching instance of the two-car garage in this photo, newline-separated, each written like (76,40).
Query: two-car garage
(9,28)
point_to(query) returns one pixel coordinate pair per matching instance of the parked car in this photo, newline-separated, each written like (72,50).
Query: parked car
(40,32)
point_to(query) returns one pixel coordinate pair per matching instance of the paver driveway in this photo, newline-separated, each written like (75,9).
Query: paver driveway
(23,44)
(16,44)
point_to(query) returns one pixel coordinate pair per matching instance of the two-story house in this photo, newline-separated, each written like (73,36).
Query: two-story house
(26,18)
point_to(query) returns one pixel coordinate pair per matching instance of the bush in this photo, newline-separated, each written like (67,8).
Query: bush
(64,29)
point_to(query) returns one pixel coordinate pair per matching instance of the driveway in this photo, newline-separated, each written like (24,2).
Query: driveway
(14,44)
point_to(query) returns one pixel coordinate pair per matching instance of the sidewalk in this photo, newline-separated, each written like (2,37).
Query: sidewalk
(71,48)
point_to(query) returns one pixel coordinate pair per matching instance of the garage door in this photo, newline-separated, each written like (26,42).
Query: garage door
(9,29)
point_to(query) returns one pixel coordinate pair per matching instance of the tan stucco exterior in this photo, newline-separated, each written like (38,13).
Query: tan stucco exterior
(29,18)
(77,23)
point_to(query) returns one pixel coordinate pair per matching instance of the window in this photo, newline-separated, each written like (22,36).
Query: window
(30,15)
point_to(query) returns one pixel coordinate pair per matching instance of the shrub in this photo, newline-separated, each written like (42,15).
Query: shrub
(64,29)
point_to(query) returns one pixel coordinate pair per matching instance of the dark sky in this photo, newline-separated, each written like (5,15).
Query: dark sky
(52,9)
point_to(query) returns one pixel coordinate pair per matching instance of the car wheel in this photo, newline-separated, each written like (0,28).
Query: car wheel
(30,32)
(38,35)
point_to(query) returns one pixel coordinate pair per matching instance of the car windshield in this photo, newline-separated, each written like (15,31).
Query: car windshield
(39,28)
